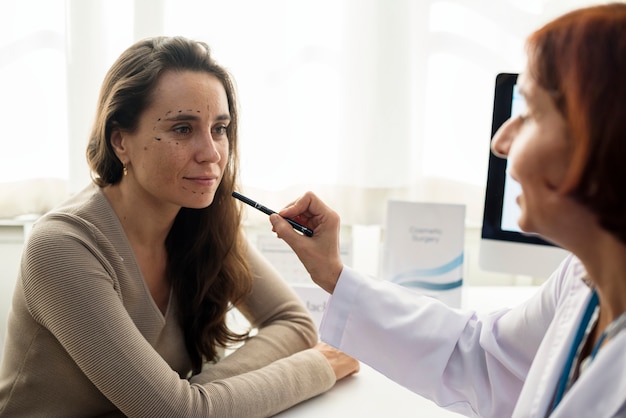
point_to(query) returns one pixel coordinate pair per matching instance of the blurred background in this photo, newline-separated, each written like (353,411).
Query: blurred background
(361,101)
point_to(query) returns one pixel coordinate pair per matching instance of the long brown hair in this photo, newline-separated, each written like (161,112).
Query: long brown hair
(581,59)
(206,250)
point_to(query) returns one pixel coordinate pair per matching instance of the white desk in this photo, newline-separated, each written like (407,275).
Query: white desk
(370,394)
(364,395)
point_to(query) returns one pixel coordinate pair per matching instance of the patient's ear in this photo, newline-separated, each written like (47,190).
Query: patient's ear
(117,142)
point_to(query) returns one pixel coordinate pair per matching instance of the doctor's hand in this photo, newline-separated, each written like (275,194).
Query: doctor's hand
(319,253)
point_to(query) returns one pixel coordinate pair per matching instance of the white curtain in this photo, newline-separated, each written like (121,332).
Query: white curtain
(359,100)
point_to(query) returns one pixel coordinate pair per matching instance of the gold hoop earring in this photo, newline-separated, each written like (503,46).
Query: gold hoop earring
(125,169)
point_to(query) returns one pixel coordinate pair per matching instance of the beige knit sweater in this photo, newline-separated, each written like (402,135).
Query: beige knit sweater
(85,337)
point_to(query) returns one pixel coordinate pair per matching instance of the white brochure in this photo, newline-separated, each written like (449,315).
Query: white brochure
(424,248)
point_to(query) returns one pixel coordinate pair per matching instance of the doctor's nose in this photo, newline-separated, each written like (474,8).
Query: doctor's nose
(503,138)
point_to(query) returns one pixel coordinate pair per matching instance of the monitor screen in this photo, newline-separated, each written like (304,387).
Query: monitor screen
(503,246)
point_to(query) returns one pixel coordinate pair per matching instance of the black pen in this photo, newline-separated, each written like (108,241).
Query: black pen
(306,231)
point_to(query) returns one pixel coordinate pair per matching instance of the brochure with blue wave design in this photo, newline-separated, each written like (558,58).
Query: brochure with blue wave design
(424,248)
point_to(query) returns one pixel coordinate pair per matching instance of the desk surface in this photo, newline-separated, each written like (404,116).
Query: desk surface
(371,394)
(364,395)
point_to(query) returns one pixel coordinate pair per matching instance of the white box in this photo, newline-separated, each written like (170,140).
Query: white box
(424,248)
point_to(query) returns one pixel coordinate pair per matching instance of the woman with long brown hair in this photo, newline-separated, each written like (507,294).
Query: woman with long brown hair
(122,298)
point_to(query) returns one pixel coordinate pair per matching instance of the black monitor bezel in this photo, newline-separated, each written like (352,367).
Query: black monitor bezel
(496,173)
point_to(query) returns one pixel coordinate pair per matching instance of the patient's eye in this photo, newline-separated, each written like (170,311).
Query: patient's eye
(182,129)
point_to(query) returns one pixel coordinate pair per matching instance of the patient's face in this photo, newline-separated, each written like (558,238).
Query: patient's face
(179,151)
(538,152)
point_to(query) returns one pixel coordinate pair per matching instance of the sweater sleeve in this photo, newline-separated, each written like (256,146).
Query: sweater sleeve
(71,287)
(282,325)
(284,335)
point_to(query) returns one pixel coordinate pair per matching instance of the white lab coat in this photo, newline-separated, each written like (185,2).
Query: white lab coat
(503,364)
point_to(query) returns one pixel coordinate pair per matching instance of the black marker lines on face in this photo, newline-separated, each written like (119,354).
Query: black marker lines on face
(193,191)
(154,128)
(181,116)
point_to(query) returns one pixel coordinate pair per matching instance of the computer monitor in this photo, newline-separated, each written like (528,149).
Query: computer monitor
(503,246)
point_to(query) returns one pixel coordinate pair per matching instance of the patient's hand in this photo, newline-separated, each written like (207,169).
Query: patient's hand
(343,365)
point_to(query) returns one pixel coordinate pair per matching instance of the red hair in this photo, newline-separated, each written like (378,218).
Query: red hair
(580,58)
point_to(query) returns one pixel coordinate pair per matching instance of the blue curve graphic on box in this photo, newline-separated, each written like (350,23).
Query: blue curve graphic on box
(435,271)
